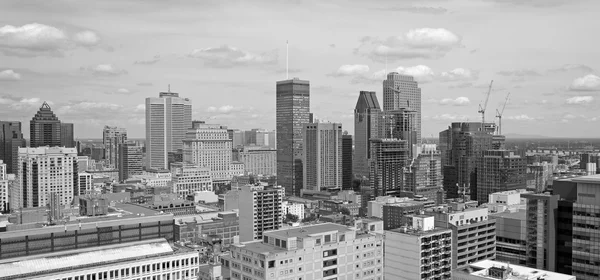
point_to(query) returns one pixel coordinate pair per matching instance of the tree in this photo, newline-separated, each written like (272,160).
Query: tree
(345,211)
(289,217)
(309,219)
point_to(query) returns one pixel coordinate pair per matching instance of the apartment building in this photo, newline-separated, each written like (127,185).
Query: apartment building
(261,209)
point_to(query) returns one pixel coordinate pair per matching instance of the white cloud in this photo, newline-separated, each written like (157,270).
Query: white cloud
(9,75)
(123,91)
(34,100)
(105,70)
(351,70)
(36,39)
(450,117)
(522,117)
(459,74)
(573,67)
(434,38)
(226,56)
(152,60)
(519,73)
(421,73)
(140,108)
(586,83)
(225,109)
(459,101)
(578,100)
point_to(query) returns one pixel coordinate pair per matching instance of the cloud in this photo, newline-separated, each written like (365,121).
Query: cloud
(535,3)
(572,67)
(144,84)
(586,83)
(225,109)
(332,45)
(459,74)
(9,75)
(420,10)
(35,39)
(140,108)
(121,91)
(459,101)
(152,60)
(226,56)
(580,100)
(519,73)
(522,117)
(105,70)
(427,43)
(351,70)
(421,73)
(450,117)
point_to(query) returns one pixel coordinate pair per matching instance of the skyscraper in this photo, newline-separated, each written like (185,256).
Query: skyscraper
(67,137)
(400,124)
(112,137)
(261,209)
(498,171)
(423,175)
(44,128)
(347,154)
(322,161)
(46,170)
(293,105)
(402,91)
(168,117)
(389,158)
(130,160)
(366,126)
(4,201)
(11,138)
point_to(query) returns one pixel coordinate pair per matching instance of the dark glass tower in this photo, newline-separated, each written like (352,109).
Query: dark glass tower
(11,138)
(293,105)
(45,128)
(67,138)
(366,126)
(347,152)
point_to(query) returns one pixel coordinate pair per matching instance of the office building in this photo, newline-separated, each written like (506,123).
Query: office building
(402,91)
(67,137)
(188,178)
(130,160)
(473,234)
(148,259)
(112,138)
(388,160)
(322,158)
(260,138)
(347,158)
(511,237)
(256,160)
(418,251)
(85,182)
(490,270)
(4,189)
(394,214)
(44,128)
(293,106)
(423,175)
(45,170)
(168,117)
(296,209)
(539,176)
(400,124)
(541,230)
(198,229)
(208,145)
(498,171)
(322,251)
(367,114)
(11,138)
(261,209)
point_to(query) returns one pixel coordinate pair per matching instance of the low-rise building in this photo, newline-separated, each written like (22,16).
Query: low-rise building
(226,227)
(375,207)
(294,209)
(511,237)
(489,269)
(335,206)
(393,214)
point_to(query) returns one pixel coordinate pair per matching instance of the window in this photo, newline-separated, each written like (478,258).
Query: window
(327,238)
(271,264)
(318,242)
(342,237)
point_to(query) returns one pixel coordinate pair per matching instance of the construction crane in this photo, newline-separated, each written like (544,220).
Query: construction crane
(500,113)
(398,91)
(482,109)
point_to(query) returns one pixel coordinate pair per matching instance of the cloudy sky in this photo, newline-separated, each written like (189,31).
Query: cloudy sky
(96,61)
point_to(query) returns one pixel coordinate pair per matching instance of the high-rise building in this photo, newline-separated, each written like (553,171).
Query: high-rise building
(44,128)
(256,160)
(388,160)
(347,154)
(366,126)
(402,91)
(209,145)
(85,183)
(168,117)
(322,159)
(293,105)
(498,171)
(318,252)
(541,230)
(400,124)
(67,135)
(423,175)
(4,189)
(188,178)
(45,170)
(261,209)
(418,251)
(130,160)
(112,137)
(11,138)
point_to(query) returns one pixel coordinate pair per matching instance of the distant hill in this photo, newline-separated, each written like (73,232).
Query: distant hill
(524,136)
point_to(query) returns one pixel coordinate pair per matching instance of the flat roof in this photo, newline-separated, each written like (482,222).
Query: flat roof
(518,272)
(261,248)
(587,179)
(415,232)
(520,215)
(306,231)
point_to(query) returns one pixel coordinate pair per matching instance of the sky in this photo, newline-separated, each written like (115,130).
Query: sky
(95,62)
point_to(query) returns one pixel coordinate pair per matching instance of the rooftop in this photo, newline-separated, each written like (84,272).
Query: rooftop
(519,215)
(261,248)
(481,269)
(587,179)
(307,231)
(418,232)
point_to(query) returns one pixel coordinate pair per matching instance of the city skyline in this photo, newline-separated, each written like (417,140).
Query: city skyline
(95,74)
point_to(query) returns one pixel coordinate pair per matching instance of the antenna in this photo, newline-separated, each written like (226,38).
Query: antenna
(287,59)
(169,88)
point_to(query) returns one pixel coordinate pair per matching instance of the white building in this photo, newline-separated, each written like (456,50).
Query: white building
(418,252)
(4,202)
(45,170)
(85,183)
(322,156)
(167,119)
(492,270)
(294,209)
(188,178)
(323,251)
(150,259)
(510,201)
(257,161)
(112,137)
(154,179)
(375,207)
(261,209)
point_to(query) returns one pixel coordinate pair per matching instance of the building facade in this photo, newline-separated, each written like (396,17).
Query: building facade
(257,161)
(67,135)
(511,237)
(402,91)
(292,112)
(112,138)
(366,126)
(44,128)
(322,157)
(347,158)
(168,117)
(423,175)
(4,189)
(188,178)
(130,160)
(11,138)
(388,161)
(497,171)
(46,170)
(261,209)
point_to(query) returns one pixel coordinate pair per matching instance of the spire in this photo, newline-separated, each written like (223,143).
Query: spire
(45,106)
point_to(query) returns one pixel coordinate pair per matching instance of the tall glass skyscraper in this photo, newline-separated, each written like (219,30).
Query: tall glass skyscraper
(67,135)
(293,106)
(11,138)
(402,91)
(168,117)
(366,126)
(112,137)
(44,128)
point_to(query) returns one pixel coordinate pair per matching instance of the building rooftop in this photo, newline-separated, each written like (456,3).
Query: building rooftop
(482,269)
(586,179)
(519,215)
(261,248)
(418,232)
(307,231)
